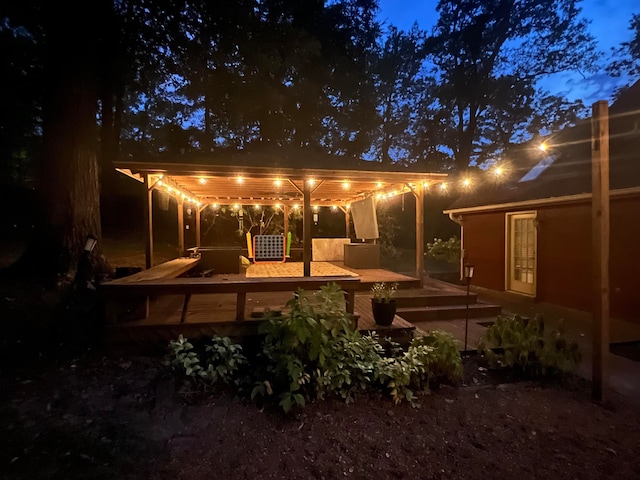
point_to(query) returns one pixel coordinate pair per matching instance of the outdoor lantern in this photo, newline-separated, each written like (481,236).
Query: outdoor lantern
(468,275)
(90,244)
(468,271)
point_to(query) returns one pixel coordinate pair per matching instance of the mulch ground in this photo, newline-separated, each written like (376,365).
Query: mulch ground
(73,409)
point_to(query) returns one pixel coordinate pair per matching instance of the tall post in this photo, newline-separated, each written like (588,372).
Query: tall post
(198,212)
(148,223)
(306,228)
(285,212)
(347,221)
(180,227)
(418,193)
(600,243)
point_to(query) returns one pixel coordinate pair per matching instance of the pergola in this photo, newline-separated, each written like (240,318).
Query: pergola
(232,182)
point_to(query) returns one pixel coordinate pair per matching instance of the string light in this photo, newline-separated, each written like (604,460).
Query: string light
(256,207)
(215,206)
(202,180)
(311,181)
(466,183)
(425,185)
(334,208)
(315,208)
(239,179)
(543,147)
(443,186)
(498,171)
(346,185)
(379,184)
(278,182)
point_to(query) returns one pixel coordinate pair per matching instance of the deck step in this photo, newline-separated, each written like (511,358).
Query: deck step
(409,299)
(448,312)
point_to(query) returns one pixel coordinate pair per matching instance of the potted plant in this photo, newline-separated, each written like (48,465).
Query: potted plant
(383,304)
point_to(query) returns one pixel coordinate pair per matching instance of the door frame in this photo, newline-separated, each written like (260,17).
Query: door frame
(508,252)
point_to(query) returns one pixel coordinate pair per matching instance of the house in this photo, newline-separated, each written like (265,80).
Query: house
(531,235)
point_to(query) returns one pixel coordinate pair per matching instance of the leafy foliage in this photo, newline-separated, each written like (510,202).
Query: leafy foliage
(524,345)
(314,352)
(448,250)
(383,292)
(218,362)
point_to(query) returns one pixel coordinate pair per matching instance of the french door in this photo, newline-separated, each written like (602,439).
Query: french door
(521,252)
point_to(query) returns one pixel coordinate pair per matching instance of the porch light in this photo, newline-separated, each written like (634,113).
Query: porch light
(346,185)
(315,208)
(256,207)
(239,179)
(379,185)
(468,275)
(215,206)
(425,185)
(277,206)
(202,180)
(296,206)
(468,271)
(334,208)
(278,182)
(311,181)
(90,243)
(236,207)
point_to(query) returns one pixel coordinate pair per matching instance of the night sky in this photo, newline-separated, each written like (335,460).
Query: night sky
(609,24)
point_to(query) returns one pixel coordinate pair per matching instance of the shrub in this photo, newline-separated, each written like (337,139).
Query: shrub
(524,345)
(449,250)
(217,361)
(314,352)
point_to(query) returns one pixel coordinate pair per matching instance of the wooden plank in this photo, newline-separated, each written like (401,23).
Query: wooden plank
(419,197)
(169,269)
(196,286)
(180,226)
(600,243)
(306,229)
(148,223)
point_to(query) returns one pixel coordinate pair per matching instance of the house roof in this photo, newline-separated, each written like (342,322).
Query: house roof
(269,175)
(564,169)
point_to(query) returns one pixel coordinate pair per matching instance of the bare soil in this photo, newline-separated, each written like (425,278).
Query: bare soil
(71,408)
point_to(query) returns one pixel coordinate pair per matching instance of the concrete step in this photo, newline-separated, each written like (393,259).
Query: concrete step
(448,312)
(421,298)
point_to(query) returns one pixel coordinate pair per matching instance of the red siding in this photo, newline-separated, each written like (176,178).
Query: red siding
(625,259)
(564,254)
(484,248)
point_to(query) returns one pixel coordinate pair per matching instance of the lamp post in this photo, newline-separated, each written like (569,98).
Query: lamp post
(468,275)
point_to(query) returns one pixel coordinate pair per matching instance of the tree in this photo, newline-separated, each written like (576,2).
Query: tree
(396,67)
(626,58)
(482,49)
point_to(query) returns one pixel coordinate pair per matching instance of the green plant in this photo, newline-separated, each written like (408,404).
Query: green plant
(429,360)
(222,360)
(448,250)
(384,292)
(296,346)
(524,345)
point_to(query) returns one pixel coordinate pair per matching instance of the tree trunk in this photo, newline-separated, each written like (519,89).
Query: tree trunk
(69,185)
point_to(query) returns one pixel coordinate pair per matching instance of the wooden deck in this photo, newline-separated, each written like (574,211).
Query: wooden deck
(215,314)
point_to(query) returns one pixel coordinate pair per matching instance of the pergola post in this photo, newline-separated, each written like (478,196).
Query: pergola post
(306,228)
(285,212)
(148,222)
(347,222)
(418,193)
(198,212)
(180,227)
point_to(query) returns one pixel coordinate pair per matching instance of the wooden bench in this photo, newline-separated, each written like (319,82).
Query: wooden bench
(167,270)
(113,291)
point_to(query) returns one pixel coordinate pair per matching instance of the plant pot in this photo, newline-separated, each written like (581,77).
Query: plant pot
(383,312)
